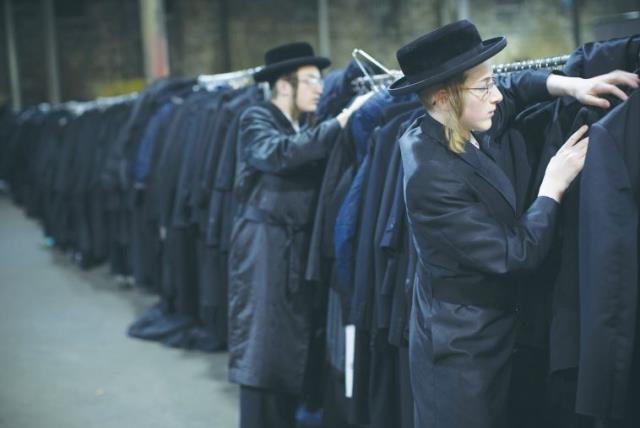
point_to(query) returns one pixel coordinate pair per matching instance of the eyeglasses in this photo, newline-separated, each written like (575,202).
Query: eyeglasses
(312,80)
(485,90)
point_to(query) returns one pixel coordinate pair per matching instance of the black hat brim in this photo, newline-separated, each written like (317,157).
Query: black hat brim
(273,71)
(490,48)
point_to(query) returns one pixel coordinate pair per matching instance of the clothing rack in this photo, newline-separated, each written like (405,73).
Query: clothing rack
(80,107)
(377,82)
(534,64)
(362,85)
(371,82)
(235,79)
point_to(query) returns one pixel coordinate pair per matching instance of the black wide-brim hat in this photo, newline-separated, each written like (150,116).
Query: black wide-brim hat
(287,58)
(441,54)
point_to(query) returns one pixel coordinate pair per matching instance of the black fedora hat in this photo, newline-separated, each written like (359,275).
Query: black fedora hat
(436,56)
(286,58)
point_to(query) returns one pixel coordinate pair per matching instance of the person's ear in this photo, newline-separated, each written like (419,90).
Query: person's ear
(440,99)
(283,87)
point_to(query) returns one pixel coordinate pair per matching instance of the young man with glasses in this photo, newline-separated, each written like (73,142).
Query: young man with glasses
(471,237)
(278,172)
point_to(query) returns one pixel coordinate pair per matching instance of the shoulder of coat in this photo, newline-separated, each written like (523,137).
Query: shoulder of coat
(257,111)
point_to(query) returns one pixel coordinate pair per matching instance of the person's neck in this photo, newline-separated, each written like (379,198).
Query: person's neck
(437,115)
(286,108)
(440,117)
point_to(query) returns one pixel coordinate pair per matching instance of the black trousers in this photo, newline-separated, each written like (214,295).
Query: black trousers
(263,408)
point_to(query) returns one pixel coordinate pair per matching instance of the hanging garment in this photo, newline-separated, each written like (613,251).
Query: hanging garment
(549,300)
(609,366)
(595,58)
(374,357)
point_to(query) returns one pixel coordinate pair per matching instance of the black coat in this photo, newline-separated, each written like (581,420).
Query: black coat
(470,242)
(608,380)
(383,142)
(269,306)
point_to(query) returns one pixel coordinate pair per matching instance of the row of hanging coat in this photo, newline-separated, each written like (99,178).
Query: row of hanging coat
(576,362)
(157,201)
(589,296)
(144,183)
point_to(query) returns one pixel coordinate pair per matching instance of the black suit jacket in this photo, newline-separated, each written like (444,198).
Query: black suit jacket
(608,264)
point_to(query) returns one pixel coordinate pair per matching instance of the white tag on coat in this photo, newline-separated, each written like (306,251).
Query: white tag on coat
(350,348)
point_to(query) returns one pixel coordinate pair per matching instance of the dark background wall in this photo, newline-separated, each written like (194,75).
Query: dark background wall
(4,67)
(100,47)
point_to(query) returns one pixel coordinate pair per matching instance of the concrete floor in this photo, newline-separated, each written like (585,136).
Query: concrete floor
(65,359)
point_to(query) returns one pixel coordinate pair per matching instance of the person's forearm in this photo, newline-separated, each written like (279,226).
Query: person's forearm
(561,85)
(343,117)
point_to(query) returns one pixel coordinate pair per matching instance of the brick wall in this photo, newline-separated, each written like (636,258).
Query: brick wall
(30,47)
(100,50)
(99,46)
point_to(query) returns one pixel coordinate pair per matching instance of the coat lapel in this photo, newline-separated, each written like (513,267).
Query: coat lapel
(483,164)
(490,171)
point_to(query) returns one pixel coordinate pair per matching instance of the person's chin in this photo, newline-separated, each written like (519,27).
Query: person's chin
(485,125)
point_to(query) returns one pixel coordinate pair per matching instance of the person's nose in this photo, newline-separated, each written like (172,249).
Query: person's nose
(495,96)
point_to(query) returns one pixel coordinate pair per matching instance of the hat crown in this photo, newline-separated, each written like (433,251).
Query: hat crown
(433,49)
(284,59)
(288,52)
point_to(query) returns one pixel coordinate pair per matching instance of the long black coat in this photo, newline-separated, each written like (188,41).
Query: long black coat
(269,306)
(470,242)
(609,368)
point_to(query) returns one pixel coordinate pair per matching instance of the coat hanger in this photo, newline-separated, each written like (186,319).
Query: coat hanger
(236,79)
(371,82)
(377,82)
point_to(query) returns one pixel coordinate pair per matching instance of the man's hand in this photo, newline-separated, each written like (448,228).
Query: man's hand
(565,165)
(358,102)
(592,91)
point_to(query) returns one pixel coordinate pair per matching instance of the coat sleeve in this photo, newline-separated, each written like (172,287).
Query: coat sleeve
(270,150)
(519,91)
(446,215)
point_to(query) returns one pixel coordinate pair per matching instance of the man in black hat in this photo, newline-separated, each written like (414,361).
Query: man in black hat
(470,234)
(279,168)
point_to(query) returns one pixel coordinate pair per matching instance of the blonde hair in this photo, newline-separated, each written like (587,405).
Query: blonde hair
(454,131)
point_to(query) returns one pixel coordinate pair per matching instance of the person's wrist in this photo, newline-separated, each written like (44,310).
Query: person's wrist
(558,85)
(573,85)
(343,118)
(551,190)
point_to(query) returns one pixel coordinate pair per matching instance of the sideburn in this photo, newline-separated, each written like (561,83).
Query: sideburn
(295,111)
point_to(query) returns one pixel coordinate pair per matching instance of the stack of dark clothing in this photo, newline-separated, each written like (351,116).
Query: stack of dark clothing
(182,203)
(145,183)
(578,318)
(359,249)
(148,184)
(569,371)
(53,164)
(7,120)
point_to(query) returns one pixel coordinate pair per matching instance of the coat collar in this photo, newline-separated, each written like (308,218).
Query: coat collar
(282,120)
(481,160)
